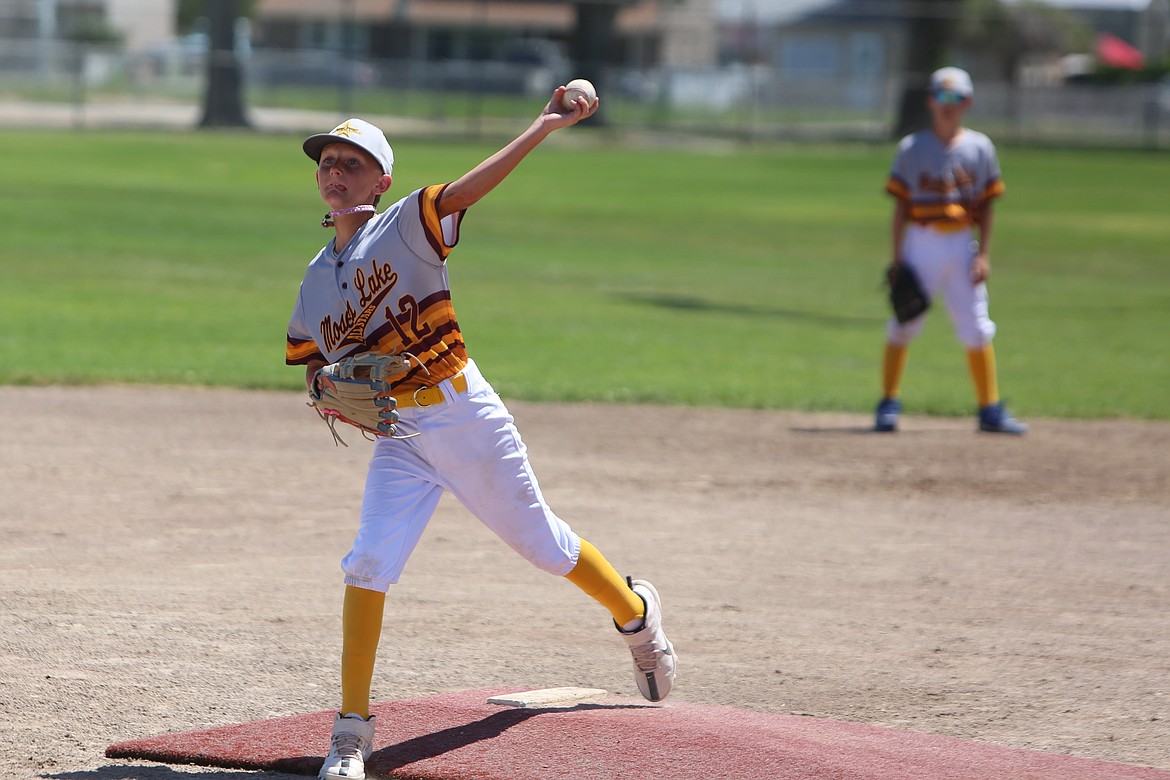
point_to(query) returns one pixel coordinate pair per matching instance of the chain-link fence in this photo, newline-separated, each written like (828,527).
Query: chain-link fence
(465,97)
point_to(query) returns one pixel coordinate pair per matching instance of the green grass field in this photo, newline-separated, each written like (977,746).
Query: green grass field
(597,272)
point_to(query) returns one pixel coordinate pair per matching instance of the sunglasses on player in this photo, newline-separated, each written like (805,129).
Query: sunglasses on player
(952,98)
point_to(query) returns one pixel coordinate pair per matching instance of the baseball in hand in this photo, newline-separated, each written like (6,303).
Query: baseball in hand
(579,88)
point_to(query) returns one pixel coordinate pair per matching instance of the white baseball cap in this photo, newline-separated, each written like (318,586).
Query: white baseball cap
(356,132)
(954,80)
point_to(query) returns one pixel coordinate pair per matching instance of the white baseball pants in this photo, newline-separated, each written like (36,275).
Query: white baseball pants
(470,446)
(943,263)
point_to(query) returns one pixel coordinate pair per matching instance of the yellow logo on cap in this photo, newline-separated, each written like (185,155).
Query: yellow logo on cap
(346,130)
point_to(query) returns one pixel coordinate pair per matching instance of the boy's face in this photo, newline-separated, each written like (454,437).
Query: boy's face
(348,176)
(948,107)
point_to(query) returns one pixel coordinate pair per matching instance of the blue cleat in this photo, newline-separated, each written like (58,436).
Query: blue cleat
(886,417)
(993,418)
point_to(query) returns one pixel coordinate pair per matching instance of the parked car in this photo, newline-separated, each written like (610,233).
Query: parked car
(528,66)
(187,54)
(182,56)
(318,69)
(540,64)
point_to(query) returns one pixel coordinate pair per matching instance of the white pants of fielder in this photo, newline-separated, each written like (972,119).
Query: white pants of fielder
(943,261)
(469,445)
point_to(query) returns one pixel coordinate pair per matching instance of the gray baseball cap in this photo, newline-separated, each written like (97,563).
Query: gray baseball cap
(954,80)
(356,132)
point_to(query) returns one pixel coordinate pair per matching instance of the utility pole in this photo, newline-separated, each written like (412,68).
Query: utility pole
(929,33)
(46,36)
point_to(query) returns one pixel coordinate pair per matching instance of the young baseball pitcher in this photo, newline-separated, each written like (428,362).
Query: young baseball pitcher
(377,299)
(943,180)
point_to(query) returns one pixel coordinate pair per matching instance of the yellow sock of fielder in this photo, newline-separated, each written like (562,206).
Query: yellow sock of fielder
(361,626)
(600,580)
(982,364)
(893,366)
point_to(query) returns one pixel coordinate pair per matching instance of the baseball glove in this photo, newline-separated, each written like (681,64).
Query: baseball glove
(356,390)
(907,297)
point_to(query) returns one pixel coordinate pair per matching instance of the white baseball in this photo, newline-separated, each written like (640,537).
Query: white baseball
(579,88)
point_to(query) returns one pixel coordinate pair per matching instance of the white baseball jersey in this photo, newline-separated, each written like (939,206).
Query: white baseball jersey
(386,290)
(946,185)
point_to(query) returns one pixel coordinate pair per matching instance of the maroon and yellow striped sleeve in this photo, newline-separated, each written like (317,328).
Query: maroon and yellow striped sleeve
(299,352)
(994,189)
(428,204)
(898,188)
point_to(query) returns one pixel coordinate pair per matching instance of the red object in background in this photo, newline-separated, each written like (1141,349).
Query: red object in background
(1116,53)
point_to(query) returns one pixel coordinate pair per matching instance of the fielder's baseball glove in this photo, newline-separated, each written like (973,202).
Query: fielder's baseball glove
(907,297)
(356,390)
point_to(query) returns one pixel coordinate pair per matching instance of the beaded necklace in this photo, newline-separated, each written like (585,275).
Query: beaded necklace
(328,221)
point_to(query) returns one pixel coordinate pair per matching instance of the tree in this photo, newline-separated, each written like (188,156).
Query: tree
(1023,29)
(223,102)
(190,12)
(592,43)
(930,29)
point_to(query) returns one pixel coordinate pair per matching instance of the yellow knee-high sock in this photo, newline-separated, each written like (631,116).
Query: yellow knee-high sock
(982,364)
(893,366)
(361,627)
(598,578)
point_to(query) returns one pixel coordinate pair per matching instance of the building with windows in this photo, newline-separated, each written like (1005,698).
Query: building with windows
(134,24)
(646,33)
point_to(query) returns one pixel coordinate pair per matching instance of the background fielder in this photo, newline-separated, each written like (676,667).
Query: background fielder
(944,179)
(381,285)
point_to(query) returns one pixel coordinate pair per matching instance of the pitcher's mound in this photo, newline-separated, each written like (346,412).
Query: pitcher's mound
(582,736)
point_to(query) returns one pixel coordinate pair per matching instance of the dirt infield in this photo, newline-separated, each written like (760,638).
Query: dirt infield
(169,561)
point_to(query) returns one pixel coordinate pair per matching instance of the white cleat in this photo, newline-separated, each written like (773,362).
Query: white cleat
(654,656)
(349,748)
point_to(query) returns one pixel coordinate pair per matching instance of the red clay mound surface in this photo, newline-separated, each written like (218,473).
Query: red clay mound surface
(459,736)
